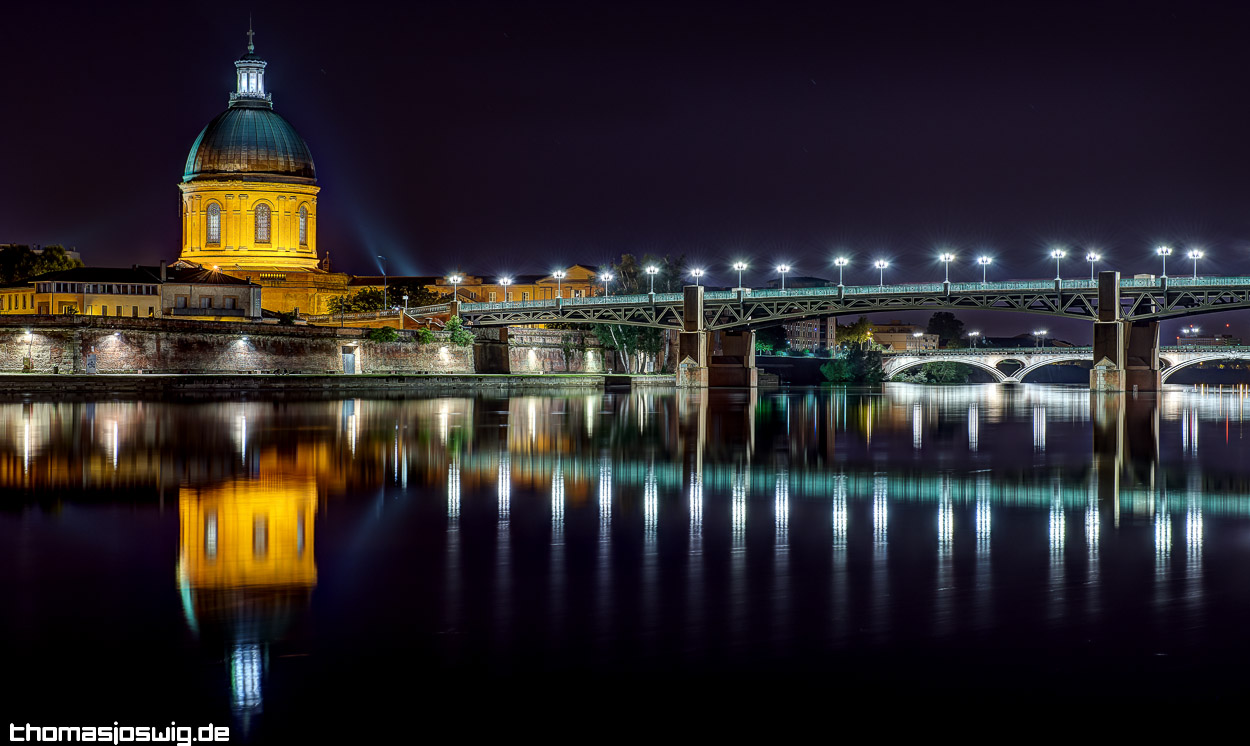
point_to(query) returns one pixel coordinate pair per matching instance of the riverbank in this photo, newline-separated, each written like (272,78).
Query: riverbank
(129,384)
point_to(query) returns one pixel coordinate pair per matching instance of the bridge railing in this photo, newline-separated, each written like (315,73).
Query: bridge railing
(987,351)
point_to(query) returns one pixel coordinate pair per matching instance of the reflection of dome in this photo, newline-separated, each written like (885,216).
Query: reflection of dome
(250,141)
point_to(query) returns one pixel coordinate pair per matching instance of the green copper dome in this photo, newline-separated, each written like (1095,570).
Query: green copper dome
(250,143)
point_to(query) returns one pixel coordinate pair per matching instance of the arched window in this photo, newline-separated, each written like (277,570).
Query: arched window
(303,225)
(262,223)
(213,230)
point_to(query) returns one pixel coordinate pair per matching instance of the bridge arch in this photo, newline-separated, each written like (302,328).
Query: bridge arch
(1213,357)
(1020,374)
(999,376)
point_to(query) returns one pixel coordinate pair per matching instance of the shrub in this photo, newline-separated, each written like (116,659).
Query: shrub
(460,336)
(382,334)
(424,336)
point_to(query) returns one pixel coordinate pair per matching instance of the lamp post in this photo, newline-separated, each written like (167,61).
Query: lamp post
(405,303)
(1195,254)
(559,274)
(881,264)
(1057,254)
(505,282)
(455,281)
(1164,252)
(973,336)
(382,259)
(782,269)
(840,262)
(946,259)
(606,277)
(652,271)
(696,274)
(985,262)
(740,266)
(1093,258)
(1039,338)
(916,336)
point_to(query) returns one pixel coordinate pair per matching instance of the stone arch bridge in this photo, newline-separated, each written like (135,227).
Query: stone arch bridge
(1171,359)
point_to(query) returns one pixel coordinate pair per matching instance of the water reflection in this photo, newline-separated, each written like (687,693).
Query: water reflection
(651,529)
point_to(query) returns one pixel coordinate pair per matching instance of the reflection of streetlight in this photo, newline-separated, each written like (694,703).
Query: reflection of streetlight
(696,274)
(1039,338)
(505,282)
(740,266)
(1093,258)
(1164,252)
(840,262)
(1195,254)
(946,259)
(985,262)
(651,272)
(1057,254)
(881,264)
(606,277)
(974,336)
(559,275)
(782,269)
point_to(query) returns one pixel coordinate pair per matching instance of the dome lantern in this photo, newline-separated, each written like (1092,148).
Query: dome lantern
(250,71)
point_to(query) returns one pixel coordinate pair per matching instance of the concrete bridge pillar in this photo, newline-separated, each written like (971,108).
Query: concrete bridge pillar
(692,342)
(735,366)
(1126,353)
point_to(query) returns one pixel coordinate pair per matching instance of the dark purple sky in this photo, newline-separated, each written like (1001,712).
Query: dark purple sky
(516,137)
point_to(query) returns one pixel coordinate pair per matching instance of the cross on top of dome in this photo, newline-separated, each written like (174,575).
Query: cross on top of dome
(250,71)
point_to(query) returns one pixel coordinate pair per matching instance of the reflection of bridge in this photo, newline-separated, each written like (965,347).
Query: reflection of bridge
(1030,359)
(1126,314)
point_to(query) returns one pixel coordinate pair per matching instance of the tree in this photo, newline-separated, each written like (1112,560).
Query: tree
(856,333)
(382,334)
(457,334)
(946,372)
(569,345)
(856,365)
(365,299)
(949,330)
(18,261)
(630,279)
(771,340)
(424,336)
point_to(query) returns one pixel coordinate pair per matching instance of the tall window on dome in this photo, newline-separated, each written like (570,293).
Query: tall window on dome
(262,223)
(213,230)
(303,225)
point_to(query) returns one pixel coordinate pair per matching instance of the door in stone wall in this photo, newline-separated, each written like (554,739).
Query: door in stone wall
(349,360)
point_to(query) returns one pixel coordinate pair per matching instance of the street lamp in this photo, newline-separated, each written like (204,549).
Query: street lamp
(559,274)
(405,303)
(505,282)
(696,274)
(740,266)
(840,262)
(1057,254)
(1165,252)
(973,336)
(1039,338)
(1093,258)
(606,277)
(382,259)
(946,260)
(651,272)
(455,281)
(985,262)
(782,269)
(1195,254)
(881,264)
(917,336)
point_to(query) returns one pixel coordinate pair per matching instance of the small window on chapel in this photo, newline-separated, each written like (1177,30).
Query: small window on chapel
(303,225)
(262,223)
(213,229)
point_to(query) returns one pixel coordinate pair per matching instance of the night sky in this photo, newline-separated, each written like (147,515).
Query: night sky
(505,137)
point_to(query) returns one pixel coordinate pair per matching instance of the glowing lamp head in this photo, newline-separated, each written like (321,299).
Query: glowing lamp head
(946,257)
(1093,256)
(841,261)
(783,268)
(607,276)
(1057,253)
(653,270)
(917,335)
(1194,254)
(974,334)
(455,279)
(984,260)
(559,274)
(740,266)
(1164,251)
(696,273)
(881,264)
(505,281)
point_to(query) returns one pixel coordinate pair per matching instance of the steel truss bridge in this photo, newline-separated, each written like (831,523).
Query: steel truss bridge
(1030,358)
(1140,299)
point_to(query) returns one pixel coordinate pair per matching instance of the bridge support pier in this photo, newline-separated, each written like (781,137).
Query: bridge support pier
(692,341)
(1126,353)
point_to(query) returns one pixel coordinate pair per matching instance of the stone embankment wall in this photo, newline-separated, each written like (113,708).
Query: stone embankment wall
(119,345)
(544,351)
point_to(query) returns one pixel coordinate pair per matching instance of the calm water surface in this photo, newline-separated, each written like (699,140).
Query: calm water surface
(280,565)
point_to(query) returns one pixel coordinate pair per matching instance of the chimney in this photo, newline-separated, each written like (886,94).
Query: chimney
(162,270)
